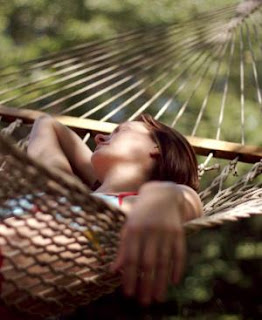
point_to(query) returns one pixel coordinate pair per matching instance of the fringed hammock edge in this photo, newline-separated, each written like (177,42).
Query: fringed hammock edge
(56,240)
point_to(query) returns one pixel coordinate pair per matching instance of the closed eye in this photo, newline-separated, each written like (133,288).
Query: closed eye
(121,127)
(117,129)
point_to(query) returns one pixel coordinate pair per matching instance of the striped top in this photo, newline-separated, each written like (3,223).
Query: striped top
(116,199)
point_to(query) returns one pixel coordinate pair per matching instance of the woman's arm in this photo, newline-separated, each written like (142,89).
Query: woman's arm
(152,240)
(56,145)
(192,205)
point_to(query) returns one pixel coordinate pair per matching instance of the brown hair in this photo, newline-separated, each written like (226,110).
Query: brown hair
(177,161)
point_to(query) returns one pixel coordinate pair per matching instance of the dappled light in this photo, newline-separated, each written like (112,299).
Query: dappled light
(92,64)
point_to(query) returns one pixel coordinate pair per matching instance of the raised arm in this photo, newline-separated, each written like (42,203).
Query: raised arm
(152,240)
(55,145)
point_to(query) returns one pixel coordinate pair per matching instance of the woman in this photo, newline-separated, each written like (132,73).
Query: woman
(152,170)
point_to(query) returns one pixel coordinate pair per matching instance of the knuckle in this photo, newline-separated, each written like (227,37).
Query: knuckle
(44,117)
(146,267)
(130,260)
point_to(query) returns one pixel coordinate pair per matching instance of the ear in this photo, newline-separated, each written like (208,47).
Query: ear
(154,153)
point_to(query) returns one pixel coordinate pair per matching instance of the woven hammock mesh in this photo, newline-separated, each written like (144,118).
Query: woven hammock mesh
(56,240)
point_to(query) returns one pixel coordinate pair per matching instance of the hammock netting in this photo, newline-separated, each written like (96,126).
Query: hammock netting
(56,240)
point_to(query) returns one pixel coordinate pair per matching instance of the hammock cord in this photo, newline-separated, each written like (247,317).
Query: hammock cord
(148,71)
(56,239)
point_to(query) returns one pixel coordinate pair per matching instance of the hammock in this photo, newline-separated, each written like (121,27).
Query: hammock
(56,240)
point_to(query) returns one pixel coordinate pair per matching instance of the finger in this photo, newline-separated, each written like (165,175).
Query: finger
(147,266)
(131,258)
(179,253)
(120,256)
(162,268)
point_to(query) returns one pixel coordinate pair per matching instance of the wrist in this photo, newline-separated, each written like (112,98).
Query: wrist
(155,185)
(169,191)
(184,197)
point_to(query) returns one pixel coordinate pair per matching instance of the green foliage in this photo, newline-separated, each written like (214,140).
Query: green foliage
(223,266)
(29,29)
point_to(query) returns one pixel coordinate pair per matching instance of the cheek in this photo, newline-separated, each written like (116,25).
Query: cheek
(131,148)
(141,145)
(135,149)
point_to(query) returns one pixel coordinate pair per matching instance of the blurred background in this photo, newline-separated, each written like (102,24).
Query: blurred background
(223,275)
(29,29)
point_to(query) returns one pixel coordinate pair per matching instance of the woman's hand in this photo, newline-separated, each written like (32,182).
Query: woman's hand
(152,241)
(55,145)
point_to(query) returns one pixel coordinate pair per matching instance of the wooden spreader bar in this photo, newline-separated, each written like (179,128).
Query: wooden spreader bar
(202,146)
(226,150)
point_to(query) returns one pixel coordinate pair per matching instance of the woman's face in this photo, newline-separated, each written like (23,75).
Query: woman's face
(129,143)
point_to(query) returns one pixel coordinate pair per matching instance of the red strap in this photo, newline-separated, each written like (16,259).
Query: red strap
(125,194)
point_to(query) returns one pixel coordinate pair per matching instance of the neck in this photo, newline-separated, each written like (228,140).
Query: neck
(123,178)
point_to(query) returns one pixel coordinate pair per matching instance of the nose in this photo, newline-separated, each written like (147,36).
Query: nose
(100,138)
